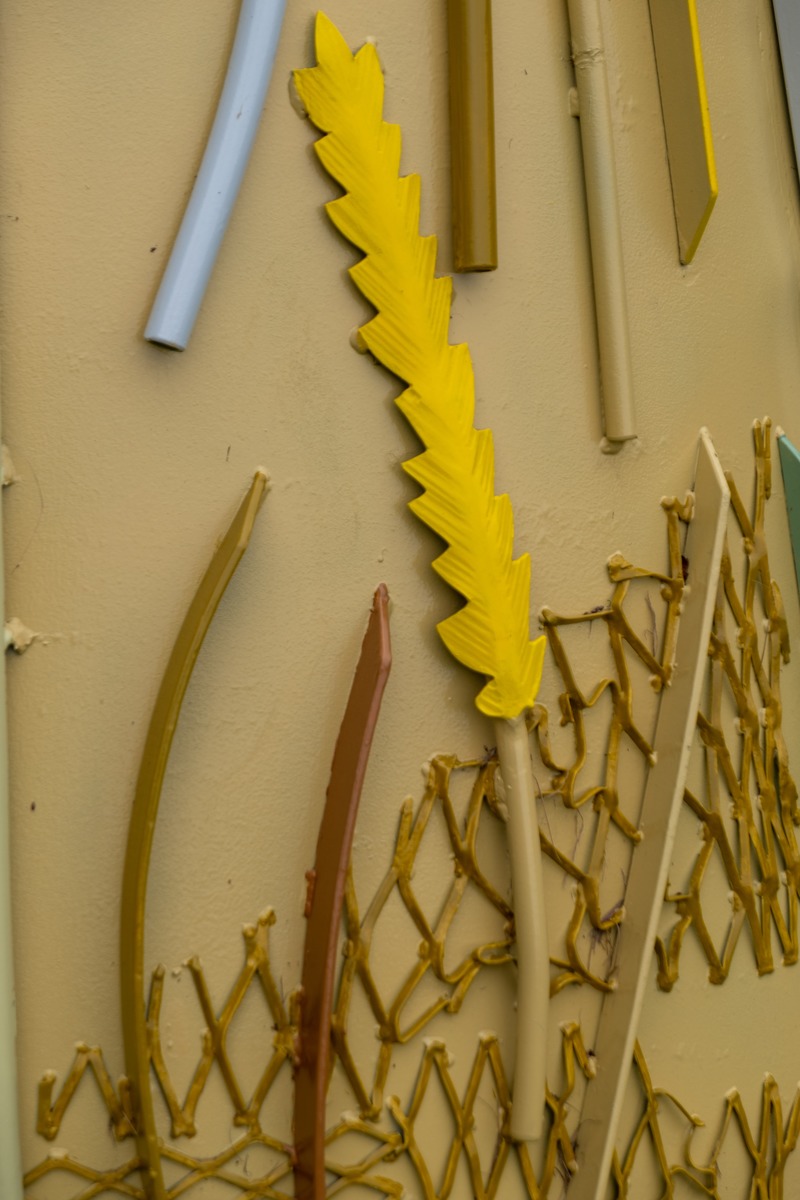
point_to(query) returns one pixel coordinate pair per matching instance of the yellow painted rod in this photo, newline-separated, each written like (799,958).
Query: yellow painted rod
(474,202)
(600,175)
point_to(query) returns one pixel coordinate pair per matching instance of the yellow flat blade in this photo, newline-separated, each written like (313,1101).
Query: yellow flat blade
(684,106)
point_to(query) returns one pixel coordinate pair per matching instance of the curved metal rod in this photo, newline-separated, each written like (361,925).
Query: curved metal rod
(217,185)
(157,746)
(325,897)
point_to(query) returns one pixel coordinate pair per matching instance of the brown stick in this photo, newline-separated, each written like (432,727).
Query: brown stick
(326,896)
(474,200)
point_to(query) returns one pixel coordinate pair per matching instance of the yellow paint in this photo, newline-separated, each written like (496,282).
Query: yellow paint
(380,215)
(687,124)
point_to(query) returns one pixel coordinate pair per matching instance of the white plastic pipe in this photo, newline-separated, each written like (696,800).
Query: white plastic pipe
(217,185)
(530,925)
(600,175)
(10,1158)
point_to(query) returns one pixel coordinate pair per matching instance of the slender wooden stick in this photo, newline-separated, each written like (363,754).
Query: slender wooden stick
(533,960)
(474,203)
(644,894)
(325,898)
(155,755)
(10,1157)
(605,234)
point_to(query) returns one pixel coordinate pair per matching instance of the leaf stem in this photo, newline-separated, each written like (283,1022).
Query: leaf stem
(533,961)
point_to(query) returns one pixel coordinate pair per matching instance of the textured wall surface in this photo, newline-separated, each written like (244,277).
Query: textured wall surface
(132,460)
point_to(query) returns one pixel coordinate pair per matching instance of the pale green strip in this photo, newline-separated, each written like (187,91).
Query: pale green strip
(790,469)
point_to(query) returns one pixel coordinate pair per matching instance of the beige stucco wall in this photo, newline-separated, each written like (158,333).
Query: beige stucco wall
(132,460)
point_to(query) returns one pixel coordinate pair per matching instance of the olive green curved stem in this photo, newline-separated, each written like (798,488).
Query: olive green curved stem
(142,826)
(533,959)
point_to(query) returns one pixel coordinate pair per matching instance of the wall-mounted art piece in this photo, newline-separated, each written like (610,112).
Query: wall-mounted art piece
(592,106)
(707,511)
(319,1002)
(10,1159)
(790,469)
(219,179)
(787,21)
(741,795)
(379,214)
(687,125)
(472,153)
(163,723)
(325,899)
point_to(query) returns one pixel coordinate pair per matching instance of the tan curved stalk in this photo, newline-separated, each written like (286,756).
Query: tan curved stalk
(160,733)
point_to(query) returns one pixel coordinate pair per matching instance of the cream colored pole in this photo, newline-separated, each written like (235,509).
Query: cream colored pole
(600,175)
(10,1159)
(533,959)
(677,718)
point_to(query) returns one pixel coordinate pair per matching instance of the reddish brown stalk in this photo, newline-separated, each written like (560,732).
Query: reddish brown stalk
(325,897)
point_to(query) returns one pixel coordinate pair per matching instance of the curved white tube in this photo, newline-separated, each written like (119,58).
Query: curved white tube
(10,1157)
(533,959)
(600,174)
(217,185)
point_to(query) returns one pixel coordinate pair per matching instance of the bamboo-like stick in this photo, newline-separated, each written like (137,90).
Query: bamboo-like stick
(218,181)
(144,813)
(472,182)
(530,926)
(605,234)
(10,1157)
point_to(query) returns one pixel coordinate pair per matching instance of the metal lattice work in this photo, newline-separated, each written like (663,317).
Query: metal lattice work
(388,1144)
(604,797)
(363,1145)
(360,933)
(748,811)
(390,1128)
(761,1150)
(255,972)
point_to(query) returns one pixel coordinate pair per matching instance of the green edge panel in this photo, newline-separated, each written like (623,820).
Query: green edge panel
(790,469)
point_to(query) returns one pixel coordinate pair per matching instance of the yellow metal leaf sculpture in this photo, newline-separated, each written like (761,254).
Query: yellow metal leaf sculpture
(379,214)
